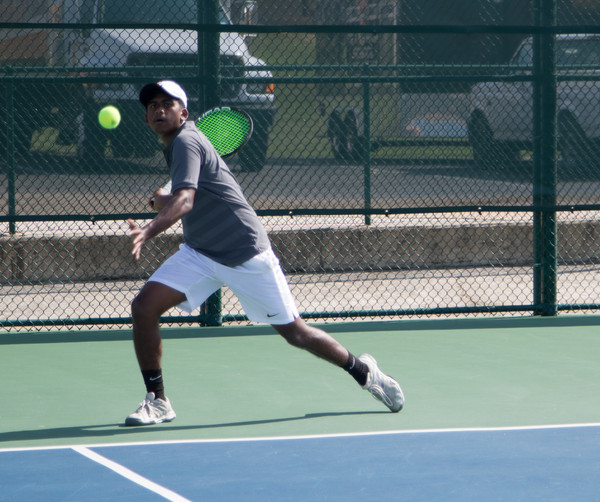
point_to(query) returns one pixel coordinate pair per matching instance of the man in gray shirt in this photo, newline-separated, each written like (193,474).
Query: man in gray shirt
(224,244)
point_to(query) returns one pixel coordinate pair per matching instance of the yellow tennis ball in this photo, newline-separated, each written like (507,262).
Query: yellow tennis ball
(109,117)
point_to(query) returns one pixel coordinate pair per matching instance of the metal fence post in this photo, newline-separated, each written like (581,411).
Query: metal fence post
(12,206)
(211,311)
(212,69)
(367,143)
(212,314)
(545,225)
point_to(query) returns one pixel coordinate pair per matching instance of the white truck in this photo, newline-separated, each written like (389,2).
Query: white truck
(500,122)
(108,57)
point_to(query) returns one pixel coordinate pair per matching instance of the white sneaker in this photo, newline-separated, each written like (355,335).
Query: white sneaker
(382,387)
(151,411)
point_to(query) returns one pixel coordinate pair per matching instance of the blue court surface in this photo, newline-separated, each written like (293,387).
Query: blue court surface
(528,464)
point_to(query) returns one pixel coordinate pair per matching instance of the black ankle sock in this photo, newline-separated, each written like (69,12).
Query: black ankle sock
(154,383)
(357,369)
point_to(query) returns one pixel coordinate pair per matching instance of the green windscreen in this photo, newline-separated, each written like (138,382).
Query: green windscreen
(227,129)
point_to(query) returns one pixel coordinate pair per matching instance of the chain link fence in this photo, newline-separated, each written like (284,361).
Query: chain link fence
(408,158)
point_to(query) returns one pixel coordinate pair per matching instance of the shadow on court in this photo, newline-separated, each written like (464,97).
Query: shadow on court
(112,430)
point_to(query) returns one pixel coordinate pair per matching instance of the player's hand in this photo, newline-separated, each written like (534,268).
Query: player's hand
(159,199)
(138,238)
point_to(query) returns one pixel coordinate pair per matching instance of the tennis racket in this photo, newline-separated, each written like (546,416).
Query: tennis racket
(228,129)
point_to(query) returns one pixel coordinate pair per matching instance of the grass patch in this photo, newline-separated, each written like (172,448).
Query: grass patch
(284,48)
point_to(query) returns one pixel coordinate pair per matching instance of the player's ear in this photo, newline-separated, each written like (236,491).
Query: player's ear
(146,117)
(185,114)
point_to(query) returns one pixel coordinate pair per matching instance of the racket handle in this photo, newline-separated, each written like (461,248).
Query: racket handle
(166,188)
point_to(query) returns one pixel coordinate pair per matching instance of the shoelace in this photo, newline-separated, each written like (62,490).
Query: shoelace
(144,406)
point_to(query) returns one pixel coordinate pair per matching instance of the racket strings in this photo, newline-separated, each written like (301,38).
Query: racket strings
(227,129)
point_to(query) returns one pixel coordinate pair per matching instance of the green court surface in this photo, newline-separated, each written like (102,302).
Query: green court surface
(67,388)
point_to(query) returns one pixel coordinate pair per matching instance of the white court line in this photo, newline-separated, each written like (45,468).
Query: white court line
(130,475)
(311,436)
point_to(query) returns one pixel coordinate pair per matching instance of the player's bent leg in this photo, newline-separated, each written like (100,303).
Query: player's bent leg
(315,340)
(151,302)
(381,386)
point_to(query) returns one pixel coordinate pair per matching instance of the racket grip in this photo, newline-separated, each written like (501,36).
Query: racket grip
(166,188)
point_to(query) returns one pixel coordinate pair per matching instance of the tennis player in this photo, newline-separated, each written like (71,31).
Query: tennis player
(224,244)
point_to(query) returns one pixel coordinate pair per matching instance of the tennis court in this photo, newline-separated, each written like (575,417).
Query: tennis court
(496,409)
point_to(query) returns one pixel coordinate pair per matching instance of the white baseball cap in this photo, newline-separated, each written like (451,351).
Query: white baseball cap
(169,87)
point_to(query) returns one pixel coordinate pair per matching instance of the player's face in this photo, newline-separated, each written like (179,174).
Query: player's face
(165,115)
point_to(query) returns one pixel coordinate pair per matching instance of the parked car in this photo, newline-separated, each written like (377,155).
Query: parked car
(113,56)
(500,122)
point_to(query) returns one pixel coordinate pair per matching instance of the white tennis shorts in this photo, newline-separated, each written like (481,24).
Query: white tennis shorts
(259,284)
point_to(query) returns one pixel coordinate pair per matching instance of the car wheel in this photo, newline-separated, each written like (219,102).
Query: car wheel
(253,156)
(335,133)
(487,152)
(481,139)
(346,142)
(576,150)
(92,141)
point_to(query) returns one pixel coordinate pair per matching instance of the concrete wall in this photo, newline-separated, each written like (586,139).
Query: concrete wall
(55,259)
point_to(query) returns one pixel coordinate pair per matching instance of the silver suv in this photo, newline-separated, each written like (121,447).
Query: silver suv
(500,121)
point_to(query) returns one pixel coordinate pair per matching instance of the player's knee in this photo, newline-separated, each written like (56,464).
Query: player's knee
(141,309)
(137,307)
(297,336)
(297,340)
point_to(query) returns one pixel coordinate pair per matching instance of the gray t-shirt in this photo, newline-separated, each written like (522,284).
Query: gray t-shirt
(221,225)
